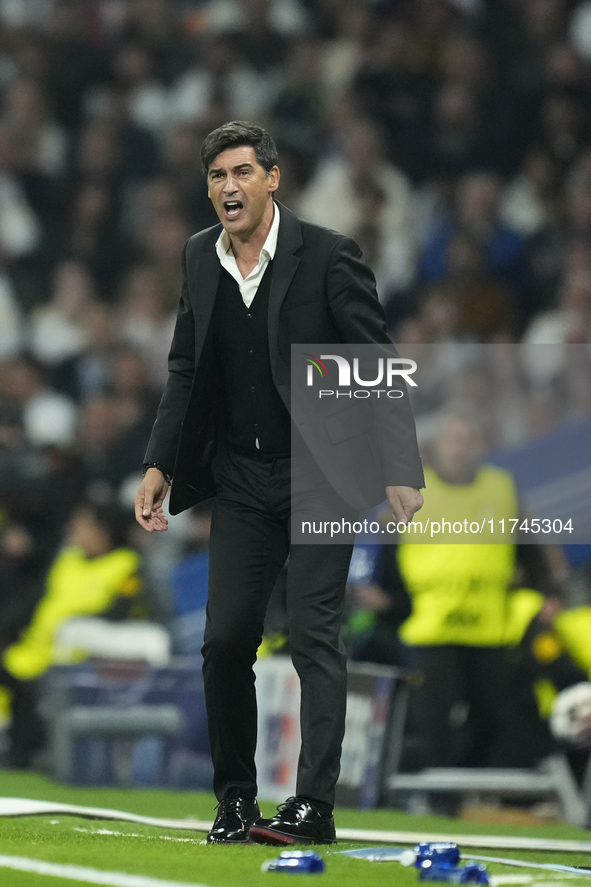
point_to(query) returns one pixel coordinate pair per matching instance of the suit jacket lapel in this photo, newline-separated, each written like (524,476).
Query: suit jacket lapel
(204,276)
(285,264)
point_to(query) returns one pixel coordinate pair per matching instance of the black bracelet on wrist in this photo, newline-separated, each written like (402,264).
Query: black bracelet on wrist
(163,471)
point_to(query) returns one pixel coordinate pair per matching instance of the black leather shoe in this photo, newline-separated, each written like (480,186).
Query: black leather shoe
(233,821)
(296,822)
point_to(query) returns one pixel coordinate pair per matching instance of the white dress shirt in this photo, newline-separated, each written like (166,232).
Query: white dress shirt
(249,285)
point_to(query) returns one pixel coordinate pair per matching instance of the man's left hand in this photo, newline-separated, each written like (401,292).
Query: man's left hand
(405,502)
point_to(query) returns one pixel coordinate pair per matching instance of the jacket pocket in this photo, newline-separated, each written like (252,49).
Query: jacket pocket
(301,300)
(350,422)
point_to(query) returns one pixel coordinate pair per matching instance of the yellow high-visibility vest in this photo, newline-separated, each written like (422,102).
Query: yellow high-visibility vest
(570,634)
(459,591)
(522,605)
(75,587)
(574,630)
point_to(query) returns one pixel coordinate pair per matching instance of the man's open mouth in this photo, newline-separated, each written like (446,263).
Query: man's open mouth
(232,208)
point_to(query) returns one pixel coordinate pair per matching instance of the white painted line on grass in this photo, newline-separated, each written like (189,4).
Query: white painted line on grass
(27,807)
(108,831)
(88,876)
(496,842)
(502,880)
(572,870)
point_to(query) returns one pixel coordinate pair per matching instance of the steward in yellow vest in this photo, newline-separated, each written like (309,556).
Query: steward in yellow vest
(76,586)
(464,709)
(554,643)
(551,646)
(95,574)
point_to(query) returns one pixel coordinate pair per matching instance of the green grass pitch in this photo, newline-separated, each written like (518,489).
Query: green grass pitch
(184,857)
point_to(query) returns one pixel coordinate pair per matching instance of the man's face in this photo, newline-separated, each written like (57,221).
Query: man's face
(458,450)
(240,190)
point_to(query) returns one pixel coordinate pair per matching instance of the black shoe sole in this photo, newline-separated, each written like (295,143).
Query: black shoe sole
(276,839)
(279,839)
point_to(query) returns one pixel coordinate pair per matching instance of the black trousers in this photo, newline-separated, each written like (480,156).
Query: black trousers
(27,731)
(502,728)
(248,548)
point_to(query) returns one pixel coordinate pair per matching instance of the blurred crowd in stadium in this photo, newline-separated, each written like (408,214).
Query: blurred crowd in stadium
(450,138)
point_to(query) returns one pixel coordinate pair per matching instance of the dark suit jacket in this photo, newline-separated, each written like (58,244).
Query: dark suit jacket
(321,292)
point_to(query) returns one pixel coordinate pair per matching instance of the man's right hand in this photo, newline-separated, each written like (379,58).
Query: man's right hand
(149,501)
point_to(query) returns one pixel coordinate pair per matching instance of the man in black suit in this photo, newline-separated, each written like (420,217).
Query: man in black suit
(252,286)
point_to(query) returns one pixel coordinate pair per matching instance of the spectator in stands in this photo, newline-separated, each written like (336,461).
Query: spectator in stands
(263,26)
(437,315)
(564,240)
(28,499)
(135,399)
(334,195)
(393,85)
(77,63)
(104,448)
(388,252)
(476,215)
(91,233)
(530,201)
(156,24)
(49,417)
(86,373)
(377,604)
(188,586)
(222,84)
(146,318)
(19,226)
(40,144)
(343,53)
(135,70)
(57,328)
(181,146)
(297,113)
(570,320)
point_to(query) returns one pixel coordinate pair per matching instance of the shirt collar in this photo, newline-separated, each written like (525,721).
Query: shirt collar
(223,246)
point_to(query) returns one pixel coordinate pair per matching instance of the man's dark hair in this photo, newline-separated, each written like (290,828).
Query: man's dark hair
(115,520)
(234,135)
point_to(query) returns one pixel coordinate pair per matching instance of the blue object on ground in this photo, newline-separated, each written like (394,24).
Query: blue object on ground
(438,853)
(296,862)
(473,873)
